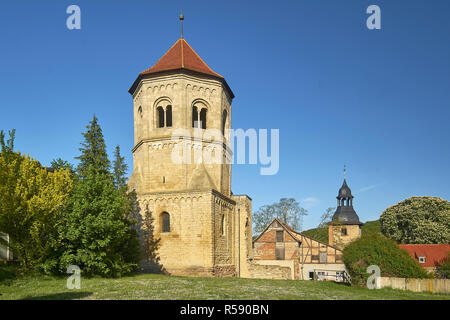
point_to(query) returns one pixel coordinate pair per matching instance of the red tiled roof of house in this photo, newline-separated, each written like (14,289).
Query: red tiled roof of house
(181,56)
(433,253)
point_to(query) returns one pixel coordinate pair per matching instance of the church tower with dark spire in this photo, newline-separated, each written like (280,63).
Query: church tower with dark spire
(345,226)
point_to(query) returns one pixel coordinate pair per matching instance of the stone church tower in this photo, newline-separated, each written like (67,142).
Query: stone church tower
(204,229)
(345,225)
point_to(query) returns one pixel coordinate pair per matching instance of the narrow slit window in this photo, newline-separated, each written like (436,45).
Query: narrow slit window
(165,222)
(223,225)
(224,121)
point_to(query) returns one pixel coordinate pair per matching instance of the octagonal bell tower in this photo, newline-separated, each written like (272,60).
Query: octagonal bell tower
(182,109)
(180,95)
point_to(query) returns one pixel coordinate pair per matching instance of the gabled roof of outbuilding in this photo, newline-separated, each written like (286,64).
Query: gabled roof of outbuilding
(294,234)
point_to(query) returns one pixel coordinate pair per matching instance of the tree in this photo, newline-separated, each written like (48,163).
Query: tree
(7,148)
(287,210)
(119,169)
(325,219)
(93,151)
(59,163)
(31,205)
(97,231)
(417,220)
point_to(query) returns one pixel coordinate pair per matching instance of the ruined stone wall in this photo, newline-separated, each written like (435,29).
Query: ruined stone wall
(223,216)
(259,270)
(243,233)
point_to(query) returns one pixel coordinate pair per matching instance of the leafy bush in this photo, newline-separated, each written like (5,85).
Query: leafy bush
(443,269)
(418,220)
(31,203)
(375,249)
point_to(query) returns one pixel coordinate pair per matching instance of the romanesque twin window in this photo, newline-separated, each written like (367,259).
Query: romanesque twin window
(195,118)
(164,116)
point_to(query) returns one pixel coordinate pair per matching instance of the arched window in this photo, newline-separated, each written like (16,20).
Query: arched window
(224,121)
(140,111)
(160,111)
(194,117)
(203,118)
(168,116)
(165,222)
(223,225)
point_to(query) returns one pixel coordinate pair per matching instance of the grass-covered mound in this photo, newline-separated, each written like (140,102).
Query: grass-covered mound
(321,234)
(375,249)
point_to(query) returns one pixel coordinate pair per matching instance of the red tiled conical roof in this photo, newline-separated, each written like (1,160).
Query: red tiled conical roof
(181,56)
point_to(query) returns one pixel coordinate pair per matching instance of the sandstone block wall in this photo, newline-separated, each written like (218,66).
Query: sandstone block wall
(416,285)
(267,271)
(338,239)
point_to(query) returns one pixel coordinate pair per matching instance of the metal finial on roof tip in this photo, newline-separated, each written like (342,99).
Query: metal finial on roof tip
(345,170)
(181,19)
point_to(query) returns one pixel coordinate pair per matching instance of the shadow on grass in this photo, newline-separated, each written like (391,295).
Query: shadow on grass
(8,272)
(60,296)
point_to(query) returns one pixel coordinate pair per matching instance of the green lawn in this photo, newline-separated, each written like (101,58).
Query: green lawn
(152,286)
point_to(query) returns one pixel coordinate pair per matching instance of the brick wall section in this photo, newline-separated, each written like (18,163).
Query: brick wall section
(296,246)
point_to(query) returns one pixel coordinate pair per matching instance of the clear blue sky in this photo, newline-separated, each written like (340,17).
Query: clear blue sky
(378,101)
